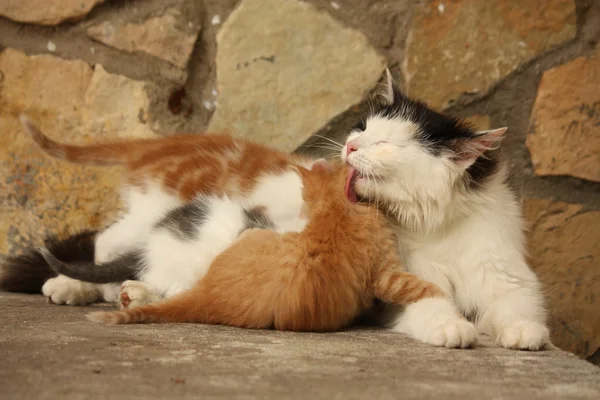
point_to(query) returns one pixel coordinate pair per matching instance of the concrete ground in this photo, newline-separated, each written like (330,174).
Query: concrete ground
(52,352)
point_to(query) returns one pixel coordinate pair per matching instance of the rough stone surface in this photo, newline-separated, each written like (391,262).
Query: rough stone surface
(285,69)
(170,36)
(51,12)
(465,46)
(565,127)
(564,251)
(50,352)
(73,103)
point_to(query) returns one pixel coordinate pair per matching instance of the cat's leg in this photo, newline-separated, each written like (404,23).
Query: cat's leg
(65,290)
(136,294)
(145,207)
(429,316)
(515,317)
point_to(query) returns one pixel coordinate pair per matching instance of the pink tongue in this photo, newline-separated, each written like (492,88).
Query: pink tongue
(349,189)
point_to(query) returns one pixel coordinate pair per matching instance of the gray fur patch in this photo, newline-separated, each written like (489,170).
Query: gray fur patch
(184,221)
(256,218)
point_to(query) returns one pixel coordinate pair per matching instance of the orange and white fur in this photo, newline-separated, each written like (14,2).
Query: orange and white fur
(165,173)
(318,279)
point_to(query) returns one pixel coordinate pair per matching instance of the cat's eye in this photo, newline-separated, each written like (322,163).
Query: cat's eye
(360,127)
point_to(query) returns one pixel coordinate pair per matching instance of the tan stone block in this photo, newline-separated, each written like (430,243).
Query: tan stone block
(564,252)
(169,36)
(284,69)
(564,137)
(46,12)
(465,46)
(72,103)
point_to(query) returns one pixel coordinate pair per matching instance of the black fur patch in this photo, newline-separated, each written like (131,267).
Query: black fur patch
(256,218)
(184,221)
(439,132)
(120,269)
(27,273)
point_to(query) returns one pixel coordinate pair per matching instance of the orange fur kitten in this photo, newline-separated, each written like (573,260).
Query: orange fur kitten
(318,279)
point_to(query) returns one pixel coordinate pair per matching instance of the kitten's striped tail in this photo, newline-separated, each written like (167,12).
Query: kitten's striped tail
(190,306)
(97,154)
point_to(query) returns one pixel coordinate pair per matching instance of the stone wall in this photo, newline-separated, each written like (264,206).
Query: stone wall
(279,71)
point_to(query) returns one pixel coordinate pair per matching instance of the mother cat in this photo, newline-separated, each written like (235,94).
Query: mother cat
(442,184)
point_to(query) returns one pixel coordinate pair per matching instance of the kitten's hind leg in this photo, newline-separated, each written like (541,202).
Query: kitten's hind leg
(136,294)
(65,290)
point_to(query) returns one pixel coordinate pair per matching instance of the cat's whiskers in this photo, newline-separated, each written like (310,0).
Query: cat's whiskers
(330,140)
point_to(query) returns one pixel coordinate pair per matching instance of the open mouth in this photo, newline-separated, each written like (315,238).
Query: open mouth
(350,185)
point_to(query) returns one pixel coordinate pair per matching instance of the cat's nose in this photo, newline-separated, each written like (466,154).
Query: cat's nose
(350,147)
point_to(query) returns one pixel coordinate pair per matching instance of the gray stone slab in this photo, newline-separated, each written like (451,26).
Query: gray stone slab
(51,352)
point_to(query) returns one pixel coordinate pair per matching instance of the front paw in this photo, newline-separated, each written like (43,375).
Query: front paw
(435,321)
(523,335)
(453,334)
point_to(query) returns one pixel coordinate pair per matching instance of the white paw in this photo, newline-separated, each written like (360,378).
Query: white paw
(453,334)
(110,292)
(65,290)
(435,321)
(135,293)
(523,335)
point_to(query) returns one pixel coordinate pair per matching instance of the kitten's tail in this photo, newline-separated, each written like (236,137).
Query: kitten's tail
(27,273)
(120,269)
(97,154)
(190,306)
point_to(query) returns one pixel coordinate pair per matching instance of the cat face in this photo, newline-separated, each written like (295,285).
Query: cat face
(410,159)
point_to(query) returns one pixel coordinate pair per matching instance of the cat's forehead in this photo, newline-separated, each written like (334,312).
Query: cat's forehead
(396,129)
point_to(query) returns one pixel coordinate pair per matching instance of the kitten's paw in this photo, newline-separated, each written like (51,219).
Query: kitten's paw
(435,321)
(453,334)
(524,335)
(65,290)
(135,294)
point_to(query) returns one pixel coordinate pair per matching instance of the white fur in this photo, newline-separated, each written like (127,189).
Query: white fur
(469,243)
(145,206)
(281,195)
(174,265)
(435,321)
(64,290)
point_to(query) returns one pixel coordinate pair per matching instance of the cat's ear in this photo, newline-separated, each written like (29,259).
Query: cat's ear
(467,151)
(389,87)
(321,165)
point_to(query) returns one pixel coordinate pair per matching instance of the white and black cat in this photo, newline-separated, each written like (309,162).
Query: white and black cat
(459,224)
